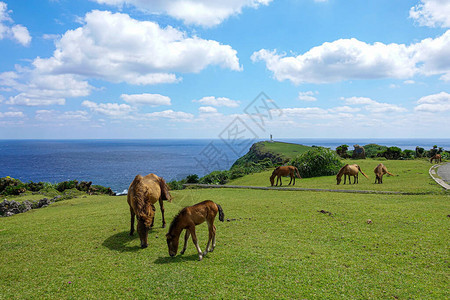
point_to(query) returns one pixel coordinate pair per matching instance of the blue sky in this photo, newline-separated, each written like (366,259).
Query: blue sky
(196,69)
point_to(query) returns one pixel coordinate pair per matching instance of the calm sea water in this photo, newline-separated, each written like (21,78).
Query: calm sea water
(114,163)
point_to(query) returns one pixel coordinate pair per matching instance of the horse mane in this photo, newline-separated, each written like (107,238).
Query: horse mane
(176,219)
(143,208)
(341,170)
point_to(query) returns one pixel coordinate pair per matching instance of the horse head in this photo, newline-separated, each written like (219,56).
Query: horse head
(172,243)
(145,221)
(272,179)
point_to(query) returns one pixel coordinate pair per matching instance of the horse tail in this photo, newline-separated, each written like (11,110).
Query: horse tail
(362,172)
(221,214)
(298,174)
(389,173)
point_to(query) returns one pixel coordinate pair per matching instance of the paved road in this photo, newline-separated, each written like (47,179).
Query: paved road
(444,172)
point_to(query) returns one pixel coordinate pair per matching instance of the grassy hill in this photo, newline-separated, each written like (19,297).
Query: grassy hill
(276,152)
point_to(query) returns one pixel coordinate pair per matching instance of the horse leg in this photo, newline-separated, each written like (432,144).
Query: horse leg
(290,180)
(132,221)
(210,237)
(213,239)
(194,239)
(186,237)
(281,180)
(161,205)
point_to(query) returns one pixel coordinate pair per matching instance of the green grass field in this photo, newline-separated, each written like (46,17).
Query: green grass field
(273,244)
(287,149)
(411,177)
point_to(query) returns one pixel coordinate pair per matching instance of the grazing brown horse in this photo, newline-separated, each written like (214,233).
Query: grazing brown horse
(187,219)
(437,158)
(284,171)
(379,171)
(143,193)
(349,170)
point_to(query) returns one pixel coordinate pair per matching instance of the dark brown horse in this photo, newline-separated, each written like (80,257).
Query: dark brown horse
(284,171)
(349,170)
(437,158)
(379,171)
(187,219)
(143,193)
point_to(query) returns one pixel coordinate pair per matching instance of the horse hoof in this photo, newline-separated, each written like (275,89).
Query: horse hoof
(164,226)
(200,257)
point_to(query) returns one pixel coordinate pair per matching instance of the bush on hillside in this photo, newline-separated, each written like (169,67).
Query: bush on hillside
(372,150)
(392,153)
(317,162)
(216,177)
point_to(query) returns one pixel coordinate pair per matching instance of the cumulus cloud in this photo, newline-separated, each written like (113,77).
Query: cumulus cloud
(218,101)
(307,96)
(114,110)
(207,109)
(373,106)
(347,59)
(19,33)
(431,13)
(12,114)
(196,12)
(170,114)
(146,99)
(38,89)
(434,103)
(54,115)
(117,48)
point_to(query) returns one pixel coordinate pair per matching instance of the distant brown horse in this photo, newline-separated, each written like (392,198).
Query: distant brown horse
(187,219)
(437,158)
(284,171)
(349,170)
(379,171)
(143,193)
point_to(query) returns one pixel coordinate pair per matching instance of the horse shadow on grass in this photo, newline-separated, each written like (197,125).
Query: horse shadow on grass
(177,259)
(120,242)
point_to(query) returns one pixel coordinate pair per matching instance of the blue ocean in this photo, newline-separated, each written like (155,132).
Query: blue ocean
(114,163)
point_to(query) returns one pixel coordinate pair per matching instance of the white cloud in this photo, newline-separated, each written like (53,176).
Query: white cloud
(25,99)
(344,109)
(207,109)
(347,59)
(53,115)
(12,114)
(373,106)
(114,110)
(170,114)
(18,33)
(146,99)
(39,89)
(197,12)
(307,96)
(219,101)
(409,82)
(117,48)
(435,103)
(432,13)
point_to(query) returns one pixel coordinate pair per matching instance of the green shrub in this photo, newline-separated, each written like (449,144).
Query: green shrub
(372,150)
(392,153)
(317,162)
(66,185)
(216,177)
(193,178)
(176,185)
(408,154)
